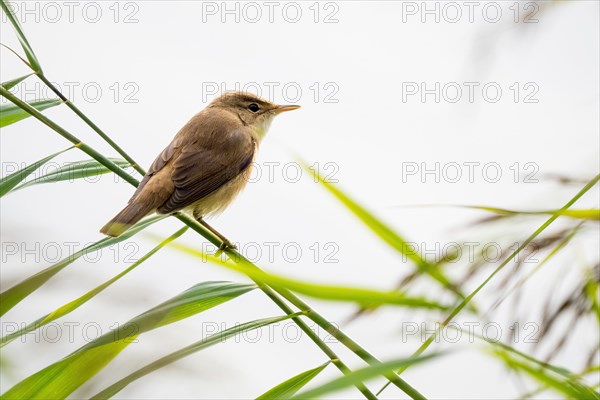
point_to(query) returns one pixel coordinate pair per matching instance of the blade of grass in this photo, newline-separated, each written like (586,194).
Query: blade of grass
(75,170)
(561,384)
(561,245)
(73,139)
(75,304)
(325,292)
(92,125)
(385,233)
(360,375)
(506,347)
(288,388)
(317,318)
(9,114)
(33,61)
(524,245)
(13,82)
(591,214)
(9,182)
(11,297)
(550,370)
(60,379)
(186,351)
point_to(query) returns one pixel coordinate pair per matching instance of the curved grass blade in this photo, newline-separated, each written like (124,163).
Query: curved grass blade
(63,377)
(288,388)
(590,214)
(75,170)
(316,317)
(367,297)
(90,151)
(387,234)
(10,113)
(75,304)
(11,297)
(186,351)
(567,380)
(9,182)
(571,388)
(361,375)
(33,61)
(561,245)
(13,82)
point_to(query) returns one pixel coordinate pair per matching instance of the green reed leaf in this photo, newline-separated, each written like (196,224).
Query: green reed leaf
(361,375)
(186,351)
(33,61)
(9,182)
(565,385)
(75,304)
(11,297)
(75,170)
(367,297)
(387,234)
(60,379)
(10,113)
(13,82)
(288,388)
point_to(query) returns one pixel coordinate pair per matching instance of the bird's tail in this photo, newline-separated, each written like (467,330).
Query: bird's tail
(126,219)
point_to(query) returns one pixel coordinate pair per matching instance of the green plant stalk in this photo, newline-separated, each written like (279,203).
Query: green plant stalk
(313,315)
(463,303)
(92,125)
(267,290)
(310,313)
(70,137)
(75,304)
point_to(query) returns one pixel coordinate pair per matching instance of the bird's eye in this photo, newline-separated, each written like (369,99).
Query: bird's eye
(253,107)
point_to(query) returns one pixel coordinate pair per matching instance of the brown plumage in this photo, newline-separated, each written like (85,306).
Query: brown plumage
(207,163)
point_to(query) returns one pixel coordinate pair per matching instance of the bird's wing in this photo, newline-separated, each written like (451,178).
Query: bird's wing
(163,158)
(203,167)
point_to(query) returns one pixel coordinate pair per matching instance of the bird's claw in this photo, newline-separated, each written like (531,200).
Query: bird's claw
(225,245)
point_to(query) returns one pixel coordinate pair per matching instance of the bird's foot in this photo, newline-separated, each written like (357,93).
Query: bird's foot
(225,245)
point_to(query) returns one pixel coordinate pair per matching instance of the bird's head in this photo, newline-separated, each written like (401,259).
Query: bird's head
(254,111)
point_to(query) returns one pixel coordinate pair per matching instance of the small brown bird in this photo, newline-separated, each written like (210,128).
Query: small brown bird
(206,165)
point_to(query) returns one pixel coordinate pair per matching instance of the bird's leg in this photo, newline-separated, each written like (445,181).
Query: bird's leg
(225,243)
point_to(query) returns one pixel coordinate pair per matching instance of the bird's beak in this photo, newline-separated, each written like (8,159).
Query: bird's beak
(285,108)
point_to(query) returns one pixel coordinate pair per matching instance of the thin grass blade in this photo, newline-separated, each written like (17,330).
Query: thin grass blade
(10,113)
(592,214)
(290,387)
(63,377)
(366,297)
(33,61)
(361,375)
(9,182)
(13,82)
(387,234)
(564,385)
(75,304)
(75,170)
(11,297)
(186,351)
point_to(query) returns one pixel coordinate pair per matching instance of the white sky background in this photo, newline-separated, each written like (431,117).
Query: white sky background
(169,58)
